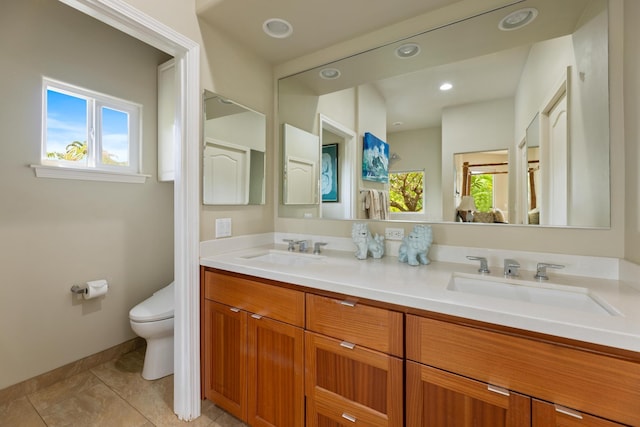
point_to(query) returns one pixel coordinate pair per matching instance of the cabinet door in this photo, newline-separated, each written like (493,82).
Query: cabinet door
(276,373)
(354,380)
(546,414)
(225,348)
(438,398)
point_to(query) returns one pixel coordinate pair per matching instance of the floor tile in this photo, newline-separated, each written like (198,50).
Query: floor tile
(84,400)
(153,399)
(20,413)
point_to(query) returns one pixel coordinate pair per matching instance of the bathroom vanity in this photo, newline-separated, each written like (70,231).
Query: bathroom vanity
(311,344)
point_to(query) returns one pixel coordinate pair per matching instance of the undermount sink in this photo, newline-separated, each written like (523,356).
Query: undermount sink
(573,298)
(274,256)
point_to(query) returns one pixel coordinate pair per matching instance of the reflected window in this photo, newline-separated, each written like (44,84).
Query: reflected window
(482,192)
(406,191)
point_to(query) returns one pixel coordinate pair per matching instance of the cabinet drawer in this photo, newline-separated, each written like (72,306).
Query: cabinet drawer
(571,377)
(274,302)
(364,383)
(371,327)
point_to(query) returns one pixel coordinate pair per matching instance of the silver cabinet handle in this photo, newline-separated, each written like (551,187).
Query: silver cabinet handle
(499,390)
(348,303)
(567,411)
(349,417)
(256,316)
(347,344)
(235,309)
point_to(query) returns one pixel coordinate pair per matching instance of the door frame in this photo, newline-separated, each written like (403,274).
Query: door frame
(129,20)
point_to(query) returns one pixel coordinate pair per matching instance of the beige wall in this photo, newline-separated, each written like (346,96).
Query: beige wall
(229,69)
(420,149)
(55,233)
(632,129)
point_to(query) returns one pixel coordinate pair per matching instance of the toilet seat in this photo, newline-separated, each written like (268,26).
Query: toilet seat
(158,306)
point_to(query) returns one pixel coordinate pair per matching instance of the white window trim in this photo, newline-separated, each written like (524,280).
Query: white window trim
(62,172)
(94,170)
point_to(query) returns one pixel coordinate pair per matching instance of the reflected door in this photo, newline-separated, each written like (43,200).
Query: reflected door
(225,173)
(557,164)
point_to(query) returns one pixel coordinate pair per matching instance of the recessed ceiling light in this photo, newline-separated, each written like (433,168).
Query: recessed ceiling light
(329,73)
(518,19)
(446,86)
(398,123)
(407,50)
(277,28)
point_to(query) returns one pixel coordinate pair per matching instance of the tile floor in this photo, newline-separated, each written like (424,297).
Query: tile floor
(112,394)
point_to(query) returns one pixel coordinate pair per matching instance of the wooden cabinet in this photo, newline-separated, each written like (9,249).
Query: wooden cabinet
(253,363)
(349,380)
(437,398)
(580,380)
(225,353)
(547,414)
(368,365)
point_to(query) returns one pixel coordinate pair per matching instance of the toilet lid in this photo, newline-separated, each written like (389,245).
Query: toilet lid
(158,306)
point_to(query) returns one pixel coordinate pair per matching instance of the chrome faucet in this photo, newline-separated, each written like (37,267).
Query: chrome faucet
(541,270)
(302,245)
(484,266)
(511,267)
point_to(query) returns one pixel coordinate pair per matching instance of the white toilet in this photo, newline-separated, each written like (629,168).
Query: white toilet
(152,320)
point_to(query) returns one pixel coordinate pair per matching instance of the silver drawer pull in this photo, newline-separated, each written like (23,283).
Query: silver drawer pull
(235,309)
(347,344)
(349,417)
(348,303)
(569,412)
(256,316)
(499,390)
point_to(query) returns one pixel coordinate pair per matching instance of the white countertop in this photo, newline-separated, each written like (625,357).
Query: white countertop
(425,287)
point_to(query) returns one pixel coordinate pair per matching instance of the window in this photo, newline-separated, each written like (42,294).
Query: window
(406,191)
(482,191)
(89,131)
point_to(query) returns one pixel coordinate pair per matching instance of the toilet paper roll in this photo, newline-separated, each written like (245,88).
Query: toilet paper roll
(96,288)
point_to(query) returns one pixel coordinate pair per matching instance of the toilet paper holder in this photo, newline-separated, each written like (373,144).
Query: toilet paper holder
(77,289)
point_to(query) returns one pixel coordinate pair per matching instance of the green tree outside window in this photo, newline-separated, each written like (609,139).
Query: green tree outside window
(482,191)
(406,191)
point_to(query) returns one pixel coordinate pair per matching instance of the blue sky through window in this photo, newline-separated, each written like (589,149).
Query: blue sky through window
(115,134)
(66,120)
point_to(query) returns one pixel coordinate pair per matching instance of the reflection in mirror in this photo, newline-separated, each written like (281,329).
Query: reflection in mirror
(301,166)
(234,153)
(555,67)
(482,182)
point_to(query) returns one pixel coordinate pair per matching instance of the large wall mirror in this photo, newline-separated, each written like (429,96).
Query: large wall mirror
(525,86)
(233,157)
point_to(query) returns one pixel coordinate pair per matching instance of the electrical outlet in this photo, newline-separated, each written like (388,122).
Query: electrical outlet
(223,227)
(394,233)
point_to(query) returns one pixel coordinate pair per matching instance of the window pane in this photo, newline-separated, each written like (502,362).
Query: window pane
(66,127)
(406,191)
(482,191)
(115,137)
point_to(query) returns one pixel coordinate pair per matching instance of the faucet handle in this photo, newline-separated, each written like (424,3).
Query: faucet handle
(511,267)
(302,245)
(316,247)
(541,270)
(484,266)
(292,244)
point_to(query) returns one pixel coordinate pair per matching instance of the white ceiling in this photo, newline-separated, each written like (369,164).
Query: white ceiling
(316,23)
(412,96)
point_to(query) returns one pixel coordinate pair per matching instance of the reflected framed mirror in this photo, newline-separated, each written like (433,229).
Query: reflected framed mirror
(233,154)
(474,87)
